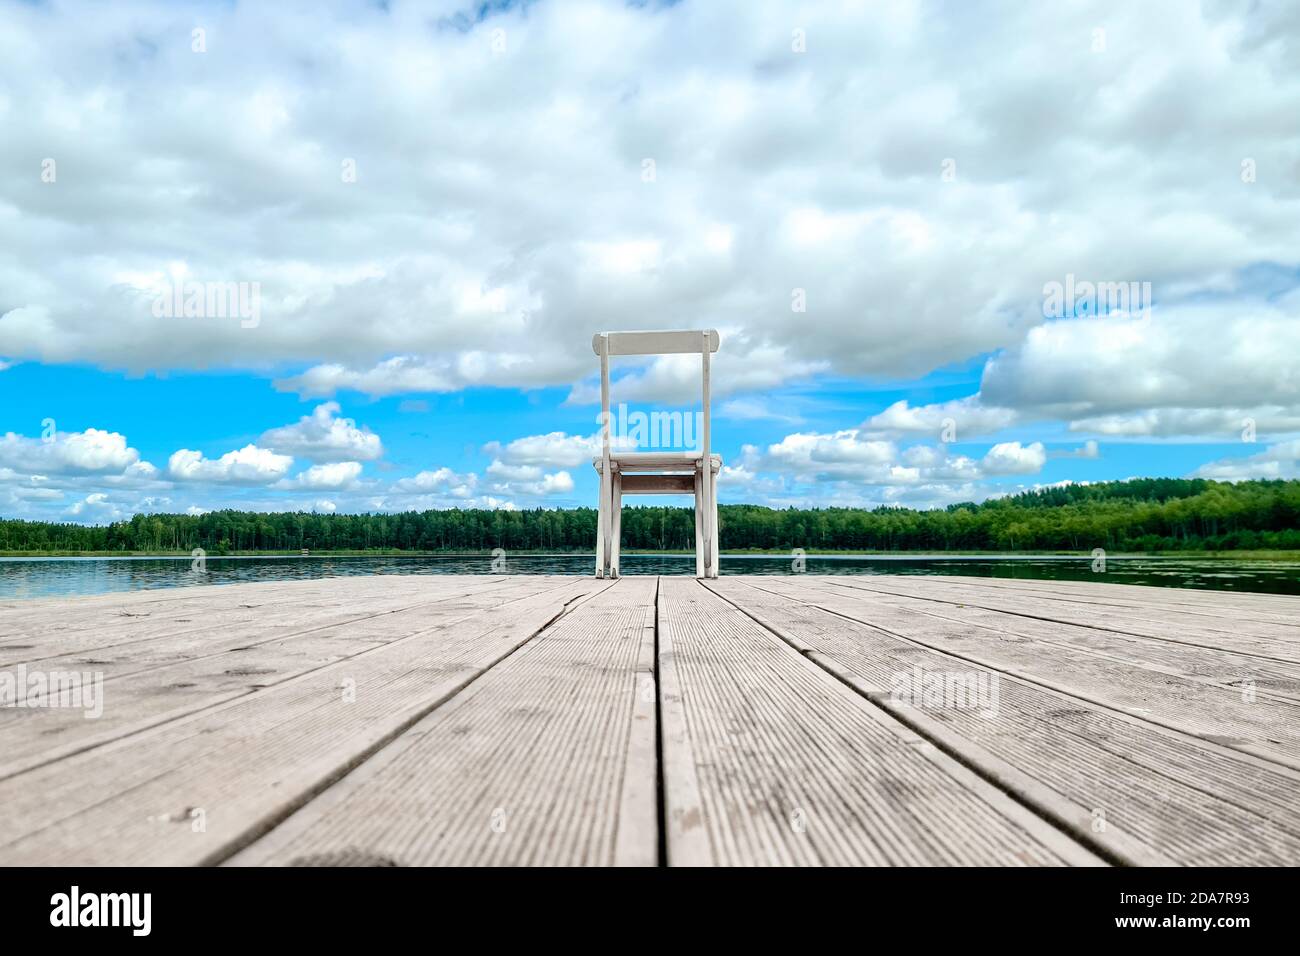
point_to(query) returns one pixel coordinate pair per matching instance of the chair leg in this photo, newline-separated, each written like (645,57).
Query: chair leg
(602,505)
(706,492)
(699,530)
(616,523)
(713,522)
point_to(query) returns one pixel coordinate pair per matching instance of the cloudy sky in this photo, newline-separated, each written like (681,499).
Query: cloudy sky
(953,250)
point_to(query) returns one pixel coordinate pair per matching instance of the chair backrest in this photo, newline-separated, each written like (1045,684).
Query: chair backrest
(677,342)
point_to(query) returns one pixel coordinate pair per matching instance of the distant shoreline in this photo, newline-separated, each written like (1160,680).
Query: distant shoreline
(1244,555)
(1147,516)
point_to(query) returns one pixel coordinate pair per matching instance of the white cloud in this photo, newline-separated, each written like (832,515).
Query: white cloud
(842,454)
(249,465)
(528,480)
(95,470)
(333,476)
(925,456)
(91,451)
(936,495)
(96,500)
(1184,356)
(1012,458)
(324,437)
(962,418)
(1089,449)
(1192,369)
(755,409)
(98,507)
(500,470)
(554,449)
(493,266)
(741,479)
(442,481)
(850,458)
(559,483)
(22,494)
(414,373)
(1193,422)
(436,501)
(1278,461)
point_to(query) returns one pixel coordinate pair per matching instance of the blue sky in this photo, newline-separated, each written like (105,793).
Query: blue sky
(214,413)
(943,268)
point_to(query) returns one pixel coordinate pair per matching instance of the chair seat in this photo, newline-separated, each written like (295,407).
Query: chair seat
(687,461)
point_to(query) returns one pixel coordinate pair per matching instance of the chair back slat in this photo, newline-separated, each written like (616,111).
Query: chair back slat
(655,343)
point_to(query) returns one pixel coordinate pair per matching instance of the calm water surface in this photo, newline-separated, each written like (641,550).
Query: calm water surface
(60,577)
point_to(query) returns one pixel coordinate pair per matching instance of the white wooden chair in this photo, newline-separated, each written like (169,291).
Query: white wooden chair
(656,472)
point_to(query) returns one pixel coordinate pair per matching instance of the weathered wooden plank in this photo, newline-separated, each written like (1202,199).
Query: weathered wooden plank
(240,767)
(548,759)
(1209,608)
(90,625)
(658,484)
(86,610)
(151,681)
(1257,724)
(1278,608)
(1223,668)
(1214,610)
(1260,638)
(786,765)
(1149,796)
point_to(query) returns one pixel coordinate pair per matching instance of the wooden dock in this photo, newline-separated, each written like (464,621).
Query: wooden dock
(504,720)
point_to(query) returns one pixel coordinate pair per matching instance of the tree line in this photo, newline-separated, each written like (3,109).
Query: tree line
(1148,514)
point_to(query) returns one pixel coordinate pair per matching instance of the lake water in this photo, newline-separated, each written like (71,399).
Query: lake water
(61,577)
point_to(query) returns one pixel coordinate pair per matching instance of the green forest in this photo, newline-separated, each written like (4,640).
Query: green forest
(1148,514)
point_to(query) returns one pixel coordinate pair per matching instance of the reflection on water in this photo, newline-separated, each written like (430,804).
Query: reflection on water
(57,577)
